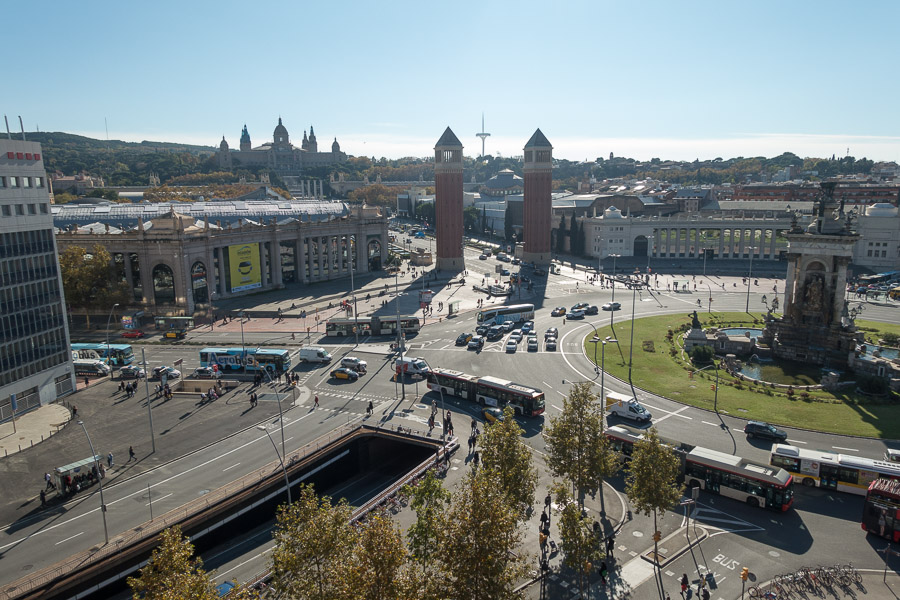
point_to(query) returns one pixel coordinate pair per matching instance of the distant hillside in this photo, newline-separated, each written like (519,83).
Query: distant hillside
(70,140)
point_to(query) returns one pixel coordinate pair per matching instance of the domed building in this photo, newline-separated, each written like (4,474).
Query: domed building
(279,155)
(505,183)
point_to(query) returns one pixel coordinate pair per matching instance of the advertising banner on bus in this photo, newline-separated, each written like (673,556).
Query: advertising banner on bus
(244,267)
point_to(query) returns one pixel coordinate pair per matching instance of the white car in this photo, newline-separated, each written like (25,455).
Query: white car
(512,345)
(509,325)
(532,343)
(170,372)
(352,362)
(550,343)
(515,335)
(483,257)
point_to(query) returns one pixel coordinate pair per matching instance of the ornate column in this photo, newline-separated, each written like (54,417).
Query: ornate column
(790,281)
(320,249)
(840,287)
(743,231)
(773,248)
(721,241)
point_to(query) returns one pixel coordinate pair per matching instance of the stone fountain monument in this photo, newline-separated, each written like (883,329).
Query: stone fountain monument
(816,327)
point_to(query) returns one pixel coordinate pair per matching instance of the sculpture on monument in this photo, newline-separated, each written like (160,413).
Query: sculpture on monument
(814,292)
(695,321)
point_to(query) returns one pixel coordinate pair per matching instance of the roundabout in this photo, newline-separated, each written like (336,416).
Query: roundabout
(661,366)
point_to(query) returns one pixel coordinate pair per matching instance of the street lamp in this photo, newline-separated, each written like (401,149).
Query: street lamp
(243,349)
(99,481)
(287,483)
(108,319)
(703,249)
(280,412)
(631,343)
(611,340)
(716,389)
(212,311)
(613,283)
(147,390)
(353,292)
(649,251)
(749,277)
(399,339)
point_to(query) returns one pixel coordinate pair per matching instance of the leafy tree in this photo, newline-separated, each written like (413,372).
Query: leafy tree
(577,540)
(506,454)
(378,559)
(480,541)
(561,236)
(470,218)
(508,229)
(576,447)
(483,219)
(111,195)
(702,355)
(314,543)
(87,279)
(652,480)
(173,572)
(425,211)
(375,194)
(429,500)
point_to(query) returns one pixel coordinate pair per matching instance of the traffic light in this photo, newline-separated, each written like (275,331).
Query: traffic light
(745,573)
(657,536)
(712,386)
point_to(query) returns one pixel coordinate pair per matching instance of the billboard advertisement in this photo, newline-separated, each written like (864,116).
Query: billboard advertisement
(244,267)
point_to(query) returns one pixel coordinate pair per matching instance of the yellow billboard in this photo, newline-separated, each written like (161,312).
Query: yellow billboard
(244,267)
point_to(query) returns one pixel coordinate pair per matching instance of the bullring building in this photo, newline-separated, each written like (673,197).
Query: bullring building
(35,360)
(279,155)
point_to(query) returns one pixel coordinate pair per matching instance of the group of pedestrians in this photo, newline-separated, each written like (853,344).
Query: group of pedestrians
(130,389)
(164,391)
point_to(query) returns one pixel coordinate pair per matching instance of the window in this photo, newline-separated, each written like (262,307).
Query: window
(20,209)
(26,182)
(7,212)
(2,181)
(39,182)
(32,209)
(43,209)
(13,181)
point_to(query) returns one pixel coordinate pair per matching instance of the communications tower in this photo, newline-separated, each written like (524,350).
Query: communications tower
(482,135)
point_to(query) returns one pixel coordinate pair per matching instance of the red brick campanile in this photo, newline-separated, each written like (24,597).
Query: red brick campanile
(448,202)
(538,208)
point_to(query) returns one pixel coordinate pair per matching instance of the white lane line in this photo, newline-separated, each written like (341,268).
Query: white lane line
(708,423)
(69,538)
(737,429)
(547,384)
(560,393)
(847,449)
(673,414)
(160,498)
(231,467)
(798,442)
(251,559)
(556,407)
(289,439)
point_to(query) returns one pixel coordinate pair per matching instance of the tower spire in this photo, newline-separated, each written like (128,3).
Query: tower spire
(482,135)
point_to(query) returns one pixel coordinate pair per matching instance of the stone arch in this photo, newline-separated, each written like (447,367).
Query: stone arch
(641,246)
(163,284)
(373,254)
(199,284)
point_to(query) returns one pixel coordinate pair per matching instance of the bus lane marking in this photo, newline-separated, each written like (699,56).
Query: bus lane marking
(847,449)
(69,538)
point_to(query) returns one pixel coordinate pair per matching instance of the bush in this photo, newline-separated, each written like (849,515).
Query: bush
(702,355)
(891,339)
(872,384)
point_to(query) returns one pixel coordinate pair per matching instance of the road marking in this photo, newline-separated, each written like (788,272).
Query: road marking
(162,498)
(69,538)
(547,384)
(708,423)
(847,449)
(560,393)
(251,559)
(231,467)
(556,407)
(797,442)
(671,414)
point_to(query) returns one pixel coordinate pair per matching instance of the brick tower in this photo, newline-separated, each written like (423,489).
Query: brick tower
(538,207)
(448,202)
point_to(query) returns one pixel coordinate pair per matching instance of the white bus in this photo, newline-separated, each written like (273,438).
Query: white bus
(488,391)
(513,312)
(840,472)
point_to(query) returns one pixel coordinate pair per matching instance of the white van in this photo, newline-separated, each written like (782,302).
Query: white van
(91,367)
(626,407)
(415,366)
(313,354)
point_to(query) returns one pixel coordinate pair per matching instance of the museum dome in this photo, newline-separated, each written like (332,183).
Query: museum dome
(881,209)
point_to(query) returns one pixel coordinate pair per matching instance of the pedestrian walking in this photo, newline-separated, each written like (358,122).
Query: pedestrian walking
(610,545)
(317,401)
(131,456)
(370,409)
(121,386)
(86,382)
(547,500)
(684,585)
(475,459)
(43,499)
(603,572)
(109,459)
(704,594)
(544,519)
(74,411)
(49,481)
(474,424)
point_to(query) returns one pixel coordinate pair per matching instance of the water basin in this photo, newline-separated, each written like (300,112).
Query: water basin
(739,331)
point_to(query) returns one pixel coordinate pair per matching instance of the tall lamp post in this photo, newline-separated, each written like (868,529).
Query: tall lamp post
(750,277)
(631,343)
(397,374)
(243,349)
(703,249)
(287,482)
(611,340)
(716,388)
(353,293)
(613,283)
(108,319)
(280,414)
(99,481)
(147,390)
(649,251)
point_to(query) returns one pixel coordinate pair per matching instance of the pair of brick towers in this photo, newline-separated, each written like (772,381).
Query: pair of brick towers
(448,203)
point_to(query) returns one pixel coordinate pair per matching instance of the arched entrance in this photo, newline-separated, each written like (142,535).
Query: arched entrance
(199,286)
(163,284)
(373,253)
(641,246)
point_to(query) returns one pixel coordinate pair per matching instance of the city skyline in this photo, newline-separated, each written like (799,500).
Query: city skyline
(645,82)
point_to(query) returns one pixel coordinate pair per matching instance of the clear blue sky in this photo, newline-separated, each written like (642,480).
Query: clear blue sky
(670,79)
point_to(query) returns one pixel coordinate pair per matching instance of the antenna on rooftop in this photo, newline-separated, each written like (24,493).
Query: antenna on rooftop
(482,135)
(22,127)
(8,134)
(106,125)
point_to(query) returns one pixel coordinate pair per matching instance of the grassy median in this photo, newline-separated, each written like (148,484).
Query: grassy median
(659,366)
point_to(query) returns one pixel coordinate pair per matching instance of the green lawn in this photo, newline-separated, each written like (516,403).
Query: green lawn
(654,370)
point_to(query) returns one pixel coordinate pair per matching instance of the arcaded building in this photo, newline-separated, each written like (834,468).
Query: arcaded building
(279,155)
(176,260)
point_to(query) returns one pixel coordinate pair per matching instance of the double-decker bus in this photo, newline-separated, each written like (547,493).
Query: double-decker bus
(341,326)
(756,484)
(488,391)
(274,360)
(114,354)
(839,472)
(513,312)
(881,512)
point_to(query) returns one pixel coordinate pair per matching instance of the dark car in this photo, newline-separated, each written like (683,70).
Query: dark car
(758,429)
(482,329)
(591,310)
(463,339)
(345,373)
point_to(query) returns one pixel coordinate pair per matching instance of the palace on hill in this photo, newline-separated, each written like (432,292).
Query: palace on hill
(279,155)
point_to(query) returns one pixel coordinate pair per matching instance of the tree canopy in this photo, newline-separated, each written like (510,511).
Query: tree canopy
(173,572)
(504,452)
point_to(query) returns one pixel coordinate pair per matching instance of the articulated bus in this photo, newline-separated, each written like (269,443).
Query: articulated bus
(840,472)
(488,391)
(371,325)
(881,513)
(756,484)
(251,359)
(116,355)
(513,312)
